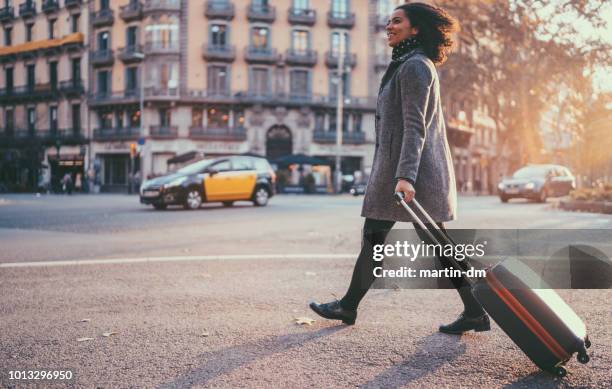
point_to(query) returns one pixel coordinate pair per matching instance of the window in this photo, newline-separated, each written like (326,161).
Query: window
(299,83)
(218,79)
(52,28)
(9,118)
(340,7)
(53,118)
(131,79)
(333,84)
(163,76)
(319,121)
(103,38)
(384,8)
(333,123)
(260,82)
(301,4)
(104,4)
(103,83)
(29,31)
(242,163)
(118,119)
(163,35)
(8,36)
(300,40)
(53,74)
(218,35)
(31,119)
(165,116)
(106,119)
(8,77)
(218,117)
(260,38)
(133,118)
(357,118)
(197,115)
(31,76)
(222,166)
(76,118)
(239,120)
(337,38)
(76,69)
(131,37)
(75,23)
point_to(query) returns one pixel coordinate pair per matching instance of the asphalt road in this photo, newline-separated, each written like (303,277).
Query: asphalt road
(213,317)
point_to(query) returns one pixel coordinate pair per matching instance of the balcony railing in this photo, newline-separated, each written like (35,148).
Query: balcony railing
(162,92)
(261,13)
(162,6)
(354,137)
(131,11)
(301,57)
(65,136)
(331,59)
(72,87)
(341,19)
(218,134)
(102,57)
(162,47)
(29,93)
(102,98)
(166,132)
(7,14)
(226,53)
(103,18)
(50,6)
(72,3)
(103,134)
(303,16)
(27,9)
(219,9)
(131,53)
(260,55)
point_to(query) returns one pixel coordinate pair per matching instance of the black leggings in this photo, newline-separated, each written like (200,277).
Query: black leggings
(375,232)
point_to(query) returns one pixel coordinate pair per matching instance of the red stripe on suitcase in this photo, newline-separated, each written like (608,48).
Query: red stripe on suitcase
(524,315)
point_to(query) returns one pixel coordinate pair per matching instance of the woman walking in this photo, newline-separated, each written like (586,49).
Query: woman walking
(412,155)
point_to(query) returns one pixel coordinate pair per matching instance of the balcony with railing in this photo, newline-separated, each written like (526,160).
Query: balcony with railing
(131,53)
(253,54)
(50,6)
(7,14)
(103,18)
(63,136)
(261,13)
(72,3)
(225,53)
(348,137)
(27,9)
(132,11)
(164,132)
(302,16)
(301,57)
(105,98)
(25,93)
(219,9)
(161,47)
(107,134)
(340,19)
(162,6)
(162,92)
(332,57)
(72,87)
(104,57)
(237,134)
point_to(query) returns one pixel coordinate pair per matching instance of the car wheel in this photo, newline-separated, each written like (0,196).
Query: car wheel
(160,207)
(261,197)
(193,200)
(503,199)
(228,203)
(543,195)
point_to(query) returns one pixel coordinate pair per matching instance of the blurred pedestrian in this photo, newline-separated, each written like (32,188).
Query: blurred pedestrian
(67,183)
(78,183)
(412,155)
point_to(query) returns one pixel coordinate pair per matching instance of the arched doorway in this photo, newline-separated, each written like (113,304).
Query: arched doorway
(279,142)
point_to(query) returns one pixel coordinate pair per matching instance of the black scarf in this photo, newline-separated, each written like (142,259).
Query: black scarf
(404,47)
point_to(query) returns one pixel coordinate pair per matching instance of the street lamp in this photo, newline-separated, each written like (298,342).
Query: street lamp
(141,129)
(339,113)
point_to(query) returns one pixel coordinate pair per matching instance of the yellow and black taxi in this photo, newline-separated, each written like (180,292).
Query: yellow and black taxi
(225,180)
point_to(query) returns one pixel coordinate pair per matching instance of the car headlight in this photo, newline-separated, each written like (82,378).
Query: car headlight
(500,186)
(176,182)
(530,185)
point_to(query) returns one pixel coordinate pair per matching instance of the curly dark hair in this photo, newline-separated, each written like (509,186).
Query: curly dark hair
(435,29)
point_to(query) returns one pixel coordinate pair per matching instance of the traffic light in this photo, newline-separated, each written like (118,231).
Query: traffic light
(132,150)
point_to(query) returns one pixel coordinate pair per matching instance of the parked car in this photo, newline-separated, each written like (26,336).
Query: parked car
(537,182)
(225,180)
(358,189)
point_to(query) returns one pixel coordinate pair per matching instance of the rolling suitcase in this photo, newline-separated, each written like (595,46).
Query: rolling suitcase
(538,321)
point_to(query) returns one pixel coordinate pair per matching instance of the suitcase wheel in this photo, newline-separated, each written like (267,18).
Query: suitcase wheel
(583,358)
(560,371)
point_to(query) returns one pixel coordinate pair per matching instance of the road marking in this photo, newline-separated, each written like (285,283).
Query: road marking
(110,261)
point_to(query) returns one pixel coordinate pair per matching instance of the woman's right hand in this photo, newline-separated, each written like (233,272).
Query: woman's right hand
(406,188)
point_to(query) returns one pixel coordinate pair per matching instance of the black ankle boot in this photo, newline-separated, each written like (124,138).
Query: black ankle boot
(335,311)
(465,323)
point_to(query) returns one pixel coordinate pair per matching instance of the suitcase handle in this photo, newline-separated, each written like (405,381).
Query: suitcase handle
(399,196)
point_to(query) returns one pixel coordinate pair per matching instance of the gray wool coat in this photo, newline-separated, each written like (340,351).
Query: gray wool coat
(411,143)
